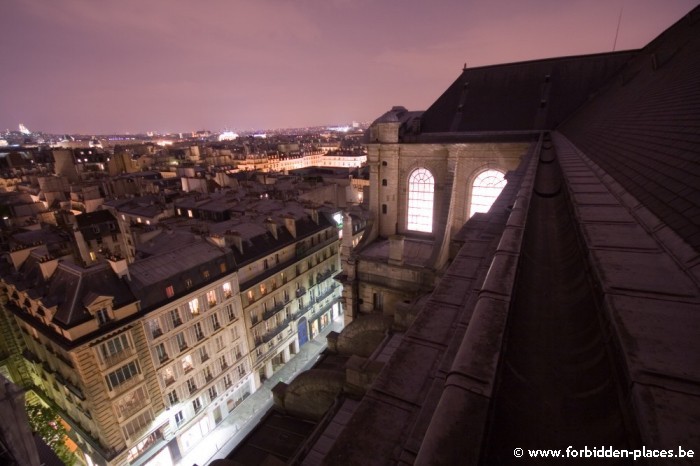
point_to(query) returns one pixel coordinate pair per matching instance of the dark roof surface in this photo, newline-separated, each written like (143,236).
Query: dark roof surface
(70,284)
(520,96)
(644,129)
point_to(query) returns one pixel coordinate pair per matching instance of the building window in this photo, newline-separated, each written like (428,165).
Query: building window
(161,353)
(123,374)
(230,313)
(154,327)
(228,292)
(179,418)
(205,274)
(188,283)
(172,398)
(421,191)
(133,402)
(212,393)
(194,307)
(137,425)
(486,188)
(211,298)
(187,364)
(198,333)
(384,182)
(170,291)
(175,318)
(191,386)
(181,342)
(102,316)
(197,405)
(168,376)
(384,210)
(114,347)
(203,355)
(215,322)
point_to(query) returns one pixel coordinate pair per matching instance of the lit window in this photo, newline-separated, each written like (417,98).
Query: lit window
(421,189)
(189,213)
(227,290)
(486,188)
(211,297)
(170,291)
(187,363)
(194,307)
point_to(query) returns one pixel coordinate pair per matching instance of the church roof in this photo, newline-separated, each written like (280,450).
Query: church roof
(530,95)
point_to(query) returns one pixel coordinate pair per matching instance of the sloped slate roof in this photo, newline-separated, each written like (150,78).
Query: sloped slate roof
(644,129)
(510,97)
(71,284)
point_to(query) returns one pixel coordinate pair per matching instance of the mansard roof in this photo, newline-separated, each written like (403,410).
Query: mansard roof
(71,285)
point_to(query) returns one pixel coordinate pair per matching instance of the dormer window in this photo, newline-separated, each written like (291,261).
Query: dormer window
(102,316)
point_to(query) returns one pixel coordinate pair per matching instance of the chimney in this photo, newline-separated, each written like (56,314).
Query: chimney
(291,224)
(233,238)
(271,227)
(396,250)
(119,266)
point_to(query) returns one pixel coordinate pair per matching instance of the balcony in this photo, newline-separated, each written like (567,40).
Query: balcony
(216,326)
(129,409)
(177,323)
(325,294)
(163,358)
(204,357)
(193,389)
(301,291)
(116,358)
(273,310)
(156,333)
(126,385)
(277,330)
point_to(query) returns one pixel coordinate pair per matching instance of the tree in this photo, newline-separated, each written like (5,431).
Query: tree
(45,422)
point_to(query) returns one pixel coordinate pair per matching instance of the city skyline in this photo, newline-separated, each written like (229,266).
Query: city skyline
(128,67)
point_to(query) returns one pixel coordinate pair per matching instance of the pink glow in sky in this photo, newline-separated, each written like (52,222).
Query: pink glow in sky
(88,66)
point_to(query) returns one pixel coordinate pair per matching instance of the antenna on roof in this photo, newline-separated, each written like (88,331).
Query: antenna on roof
(465,66)
(617,31)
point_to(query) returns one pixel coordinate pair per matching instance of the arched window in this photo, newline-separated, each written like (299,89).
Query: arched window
(421,190)
(486,188)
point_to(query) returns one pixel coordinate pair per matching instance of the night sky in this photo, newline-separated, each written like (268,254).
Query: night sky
(92,67)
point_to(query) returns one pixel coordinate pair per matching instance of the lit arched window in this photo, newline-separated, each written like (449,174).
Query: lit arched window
(421,189)
(486,188)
